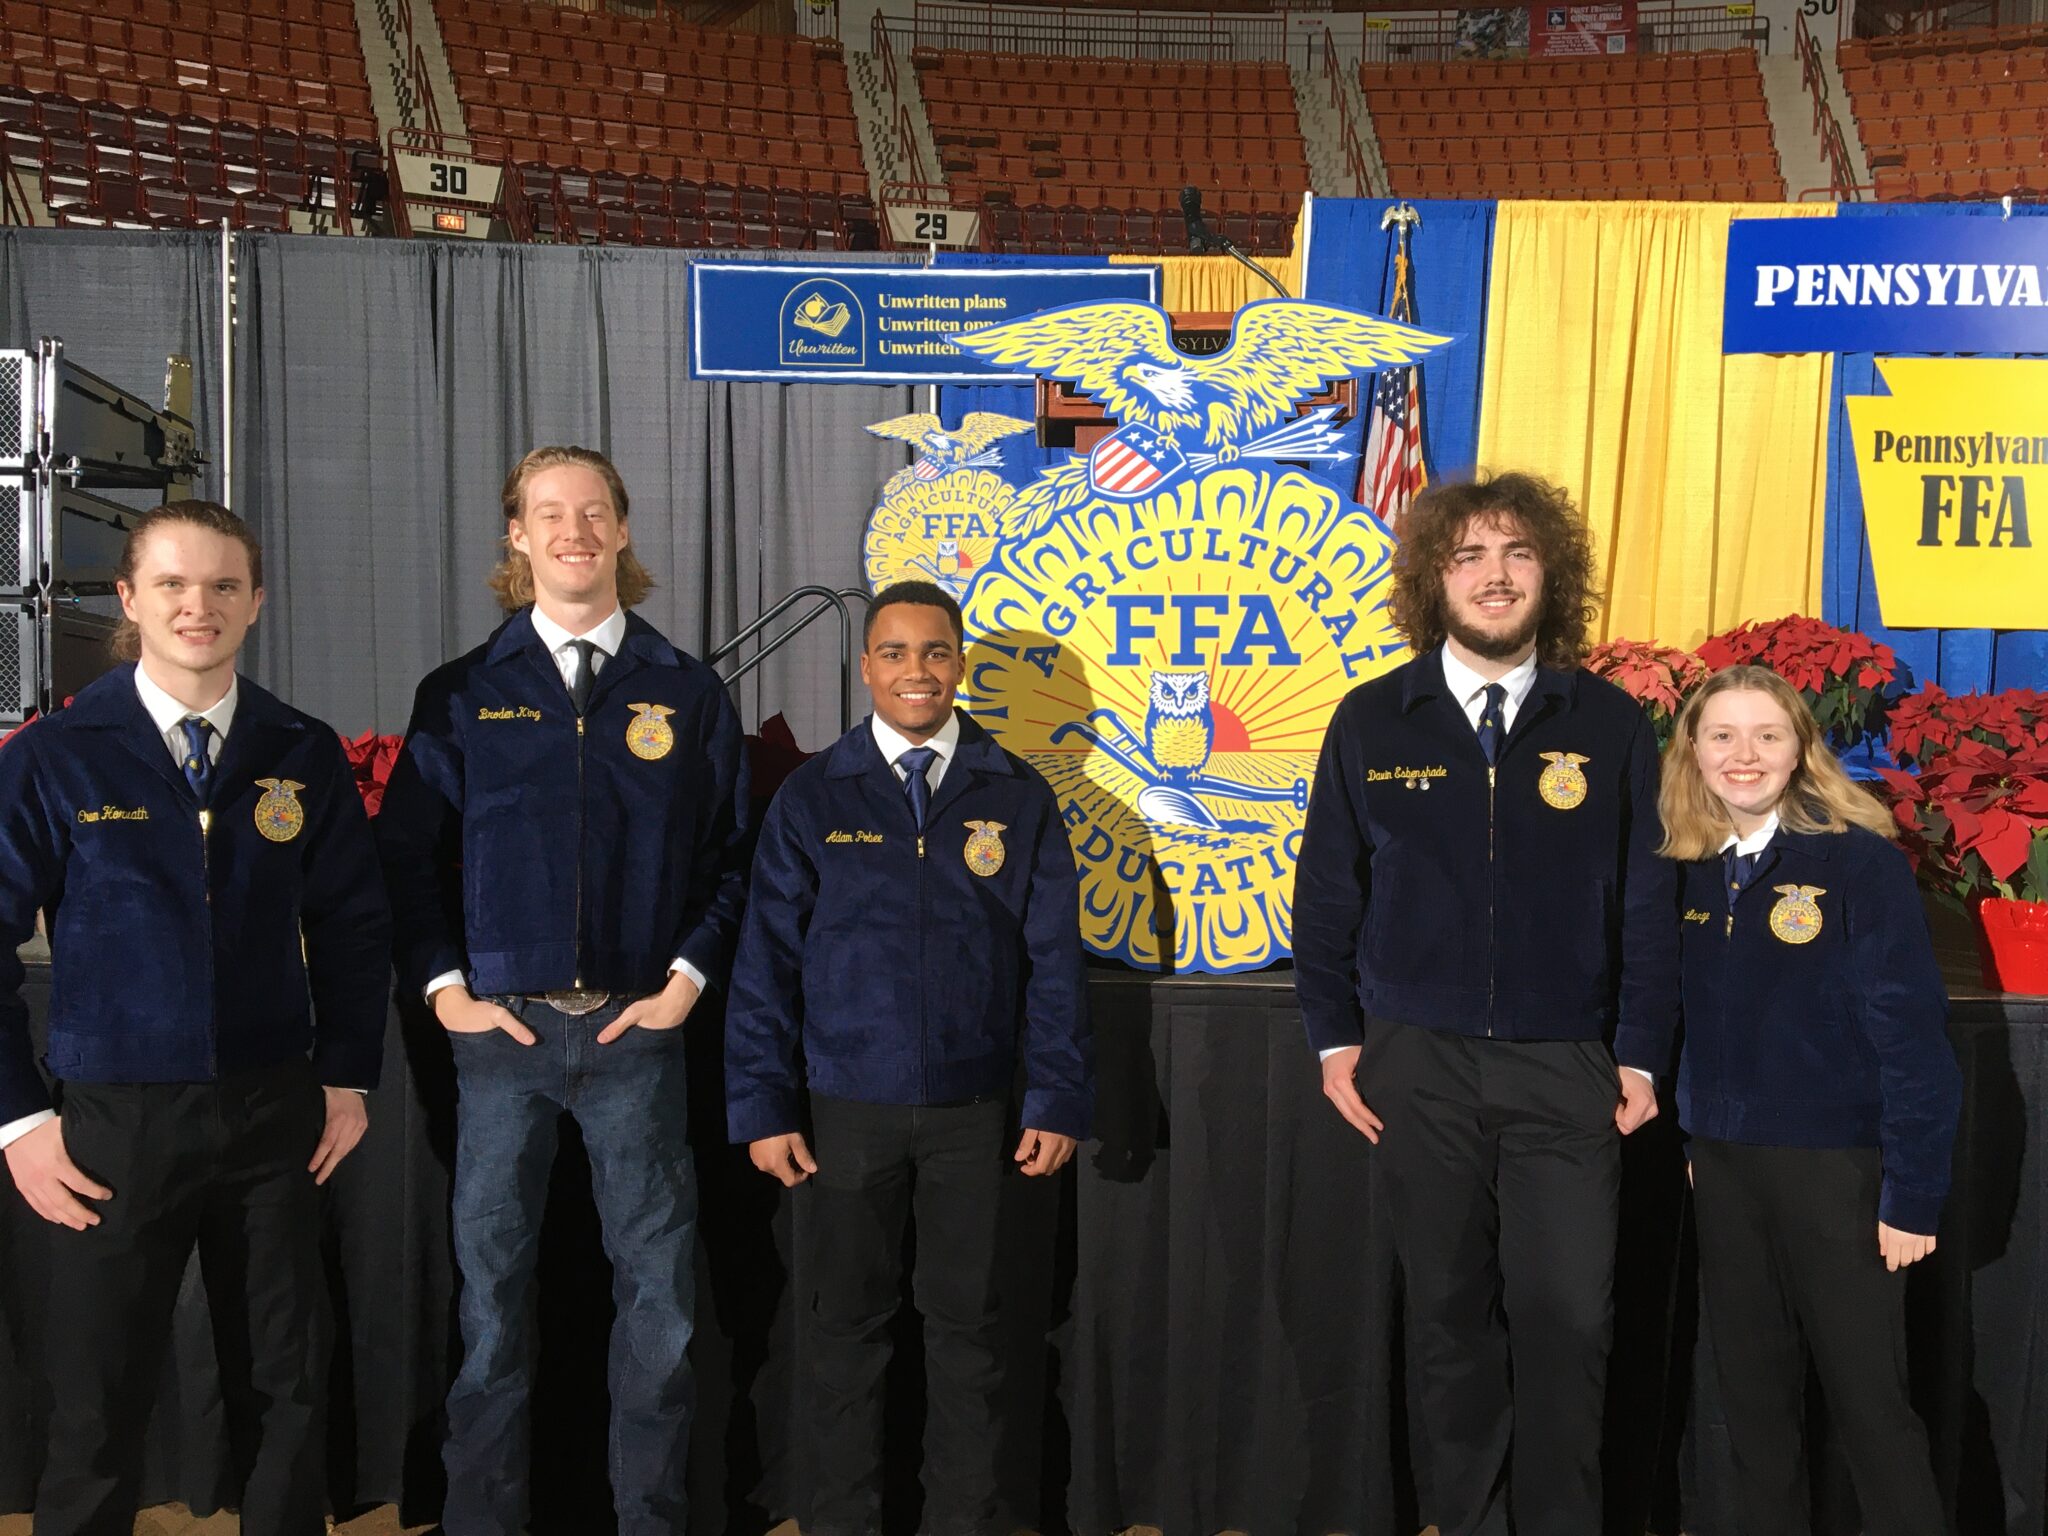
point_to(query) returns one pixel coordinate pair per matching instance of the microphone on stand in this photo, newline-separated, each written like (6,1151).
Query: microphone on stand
(1202,238)
(1191,215)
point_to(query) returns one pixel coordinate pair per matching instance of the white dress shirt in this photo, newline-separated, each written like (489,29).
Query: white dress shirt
(1757,841)
(607,635)
(1469,689)
(168,716)
(944,741)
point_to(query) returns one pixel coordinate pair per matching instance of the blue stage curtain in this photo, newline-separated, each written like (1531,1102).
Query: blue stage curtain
(1960,660)
(1350,262)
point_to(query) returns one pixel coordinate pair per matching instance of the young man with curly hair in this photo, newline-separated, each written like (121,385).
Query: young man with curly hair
(1486,961)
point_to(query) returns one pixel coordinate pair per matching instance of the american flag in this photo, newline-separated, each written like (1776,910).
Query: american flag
(1391,471)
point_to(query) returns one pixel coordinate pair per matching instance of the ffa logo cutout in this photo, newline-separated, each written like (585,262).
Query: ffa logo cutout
(1563,786)
(648,733)
(279,816)
(938,520)
(1796,918)
(984,851)
(1164,622)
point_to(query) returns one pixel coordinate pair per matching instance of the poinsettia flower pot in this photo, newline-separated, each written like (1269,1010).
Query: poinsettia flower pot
(2012,944)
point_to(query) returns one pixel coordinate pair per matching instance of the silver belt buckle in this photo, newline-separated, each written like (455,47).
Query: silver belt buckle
(575,1001)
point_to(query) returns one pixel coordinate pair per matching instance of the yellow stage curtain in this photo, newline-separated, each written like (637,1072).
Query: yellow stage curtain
(1703,477)
(1217,284)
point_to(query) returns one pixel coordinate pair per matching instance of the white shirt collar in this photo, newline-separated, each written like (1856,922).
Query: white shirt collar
(1466,685)
(1756,841)
(607,636)
(894,743)
(165,712)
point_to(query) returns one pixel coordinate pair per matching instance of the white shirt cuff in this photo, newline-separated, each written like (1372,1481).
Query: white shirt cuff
(1333,1050)
(14,1130)
(689,970)
(1648,1077)
(445,979)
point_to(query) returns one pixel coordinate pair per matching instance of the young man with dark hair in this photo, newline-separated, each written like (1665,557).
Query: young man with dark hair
(562,836)
(912,947)
(1479,910)
(220,949)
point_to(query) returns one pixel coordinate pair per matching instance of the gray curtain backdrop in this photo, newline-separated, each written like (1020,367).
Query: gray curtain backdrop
(384,387)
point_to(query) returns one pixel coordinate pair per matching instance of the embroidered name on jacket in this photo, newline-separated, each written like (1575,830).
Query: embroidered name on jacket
(113,813)
(522,712)
(1410,777)
(862,836)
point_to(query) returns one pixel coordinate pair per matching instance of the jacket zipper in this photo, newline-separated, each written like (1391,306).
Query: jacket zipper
(1492,963)
(206,885)
(576,936)
(923,969)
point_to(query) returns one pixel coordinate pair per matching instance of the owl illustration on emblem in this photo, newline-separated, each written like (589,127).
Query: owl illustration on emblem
(1180,728)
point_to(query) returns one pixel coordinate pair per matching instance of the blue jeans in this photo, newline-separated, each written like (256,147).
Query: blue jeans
(629,1099)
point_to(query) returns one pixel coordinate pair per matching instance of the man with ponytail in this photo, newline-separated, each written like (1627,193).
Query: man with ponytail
(562,836)
(220,950)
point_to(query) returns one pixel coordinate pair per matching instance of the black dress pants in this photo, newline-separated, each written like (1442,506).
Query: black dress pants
(878,1165)
(1503,1171)
(1789,1264)
(221,1165)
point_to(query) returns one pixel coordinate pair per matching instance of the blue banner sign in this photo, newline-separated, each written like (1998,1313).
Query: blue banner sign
(1936,284)
(877,325)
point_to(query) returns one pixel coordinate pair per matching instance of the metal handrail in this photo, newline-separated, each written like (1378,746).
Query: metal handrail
(828,601)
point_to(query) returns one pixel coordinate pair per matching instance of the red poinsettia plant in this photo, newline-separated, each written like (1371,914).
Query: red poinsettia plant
(1931,721)
(371,758)
(1658,677)
(1842,675)
(1974,820)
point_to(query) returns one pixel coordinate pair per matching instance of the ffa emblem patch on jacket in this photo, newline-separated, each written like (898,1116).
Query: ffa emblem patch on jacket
(984,850)
(1796,918)
(1562,786)
(279,816)
(648,733)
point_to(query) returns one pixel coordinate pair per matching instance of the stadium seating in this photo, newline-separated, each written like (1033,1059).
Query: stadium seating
(139,113)
(1066,151)
(1952,114)
(1675,125)
(627,130)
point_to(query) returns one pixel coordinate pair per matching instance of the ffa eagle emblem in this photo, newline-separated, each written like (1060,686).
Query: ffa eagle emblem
(279,816)
(1796,918)
(648,733)
(1163,625)
(938,520)
(1563,785)
(1238,404)
(984,852)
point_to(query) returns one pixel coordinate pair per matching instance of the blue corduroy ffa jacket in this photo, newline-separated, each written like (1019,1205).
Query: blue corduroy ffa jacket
(181,954)
(1815,1015)
(1428,895)
(877,965)
(533,851)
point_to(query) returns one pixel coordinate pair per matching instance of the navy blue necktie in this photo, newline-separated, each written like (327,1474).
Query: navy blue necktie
(1741,869)
(913,763)
(586,674)
(197,760)
(1490,731)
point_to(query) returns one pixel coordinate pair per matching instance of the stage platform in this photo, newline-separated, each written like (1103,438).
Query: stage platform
(1203,1312)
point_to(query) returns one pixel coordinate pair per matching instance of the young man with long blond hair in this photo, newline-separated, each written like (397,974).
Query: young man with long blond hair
(1482,931)
(562,836)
